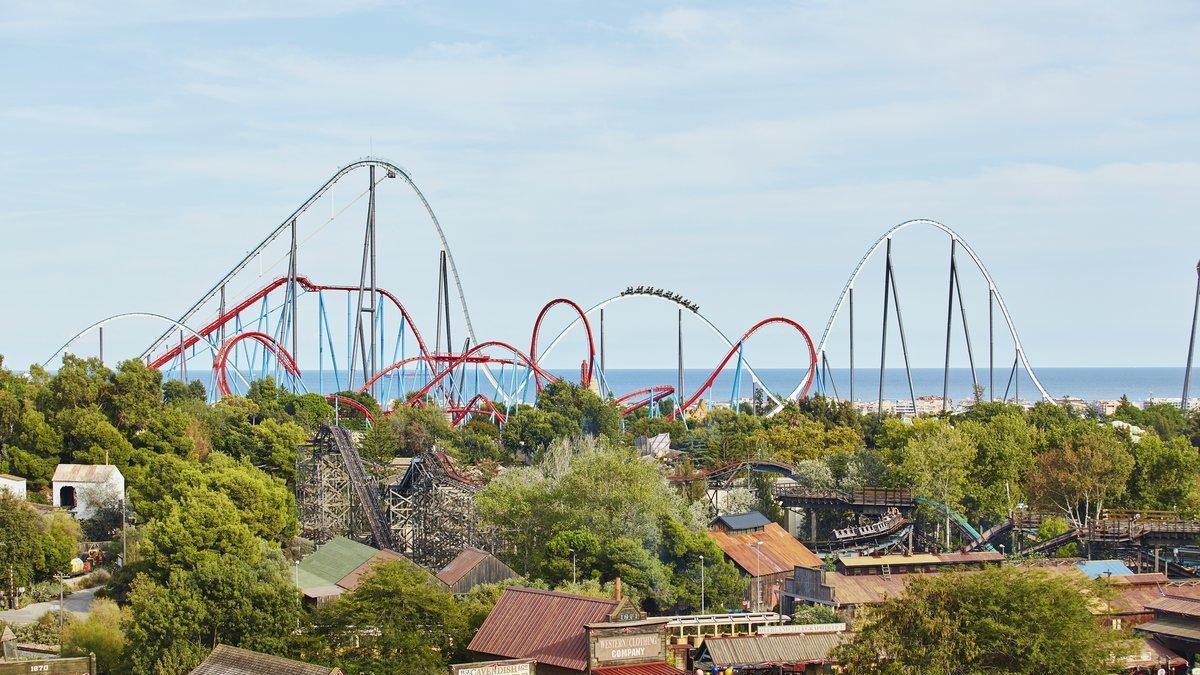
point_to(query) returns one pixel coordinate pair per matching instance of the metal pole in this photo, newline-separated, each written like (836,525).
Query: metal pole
(221,314)
(603,373)
(887,280)
(851,344)
(991,349)
(949,320)
(101,345)
(679,397)
(124,540)
(701,584)
(374,284)
(1187,373)
(903,341)
(962,309)
(356,338)
(293,314)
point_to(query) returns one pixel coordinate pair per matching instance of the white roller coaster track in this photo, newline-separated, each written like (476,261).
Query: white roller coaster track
(995,291)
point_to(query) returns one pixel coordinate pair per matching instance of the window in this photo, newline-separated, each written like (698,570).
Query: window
(66,497)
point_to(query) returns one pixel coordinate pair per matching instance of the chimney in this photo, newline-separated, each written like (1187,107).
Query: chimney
(618,587)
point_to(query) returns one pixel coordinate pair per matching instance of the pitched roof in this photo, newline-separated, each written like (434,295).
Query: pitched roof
(9,476)
(743,521)
(779,552)
(779,648)
(351,580)
(1186,629)
(84,473)
(868,588)
(463,563)
(1174,604)
(542,625)
(878,560)
(226,660)
(333,562)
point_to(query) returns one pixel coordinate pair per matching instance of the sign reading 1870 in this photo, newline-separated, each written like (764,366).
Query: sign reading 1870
(75,666)
(621,647)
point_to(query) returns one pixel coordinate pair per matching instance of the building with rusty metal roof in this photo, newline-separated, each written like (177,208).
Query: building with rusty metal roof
(545,626)
(78,487)
(572,634)
(338,566)
(763,551)
(226,660)
(472,567)
(792,652)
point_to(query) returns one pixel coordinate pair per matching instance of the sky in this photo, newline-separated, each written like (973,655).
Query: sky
(743,154)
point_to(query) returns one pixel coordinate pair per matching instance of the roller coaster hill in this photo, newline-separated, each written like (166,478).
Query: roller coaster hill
(323,283)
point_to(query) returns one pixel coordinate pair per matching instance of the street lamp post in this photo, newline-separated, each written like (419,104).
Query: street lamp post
(59,577)
(758,573)
(701,584)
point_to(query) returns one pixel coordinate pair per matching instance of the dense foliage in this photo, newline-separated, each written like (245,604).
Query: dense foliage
(1002,620)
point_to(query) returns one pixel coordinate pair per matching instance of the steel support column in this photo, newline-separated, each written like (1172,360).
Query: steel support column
(1187,372)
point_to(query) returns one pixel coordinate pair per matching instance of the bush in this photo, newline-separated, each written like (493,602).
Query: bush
(97,577)
(45,591)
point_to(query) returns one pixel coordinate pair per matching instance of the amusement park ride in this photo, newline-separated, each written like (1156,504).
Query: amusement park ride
(384,354)
(243,328)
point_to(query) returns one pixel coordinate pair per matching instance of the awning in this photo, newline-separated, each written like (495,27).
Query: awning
(1180,629)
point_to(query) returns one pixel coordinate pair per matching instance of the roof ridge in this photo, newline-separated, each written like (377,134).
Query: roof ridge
(559,594)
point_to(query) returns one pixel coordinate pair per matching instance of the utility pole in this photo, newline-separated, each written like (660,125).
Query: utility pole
(701,584)
(573,577)
(124,540)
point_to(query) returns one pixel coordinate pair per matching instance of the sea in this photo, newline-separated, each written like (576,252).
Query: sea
(1089,384)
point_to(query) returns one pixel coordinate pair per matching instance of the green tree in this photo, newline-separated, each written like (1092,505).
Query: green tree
(1005,443)
(400,619)
(1001,620)
(1086,467)
(100,634)
(22,545)
(531,430)
(1165,474)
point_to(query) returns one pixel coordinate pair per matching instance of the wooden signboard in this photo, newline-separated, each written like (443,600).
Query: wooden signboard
(509,667)
(637,646)
(75,666)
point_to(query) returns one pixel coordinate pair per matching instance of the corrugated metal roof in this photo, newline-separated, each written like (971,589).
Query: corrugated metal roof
(1174,604)
(743,521)
(333,561)
(84,473)
(463,563)
(351,580)
(875,561)
(972,557)
(656,668)
(1151,652)
(1187,629)
(226,660)
(785,648)
(780,551)
(1103,568)
(541,625)
(9,476)
(868,588)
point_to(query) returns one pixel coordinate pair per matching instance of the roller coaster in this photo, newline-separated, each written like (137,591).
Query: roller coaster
(253,327)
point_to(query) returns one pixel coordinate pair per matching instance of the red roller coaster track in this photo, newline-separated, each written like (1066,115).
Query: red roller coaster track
(304,283)
(466,356)
(220,372)
(351,403)
(655,394)
(585,374)
(812,360)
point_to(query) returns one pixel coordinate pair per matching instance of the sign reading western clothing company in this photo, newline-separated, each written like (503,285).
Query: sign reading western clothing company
(511,667)
(621,647)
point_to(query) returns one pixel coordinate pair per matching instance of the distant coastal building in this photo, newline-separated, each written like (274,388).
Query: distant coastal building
(1106,407)
(80,488)
(15,485)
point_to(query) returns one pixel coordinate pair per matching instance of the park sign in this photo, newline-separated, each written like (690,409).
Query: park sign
(83,665)
(508,667)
